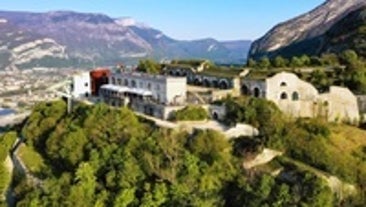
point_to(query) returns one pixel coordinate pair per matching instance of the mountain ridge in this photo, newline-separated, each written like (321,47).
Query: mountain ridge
(96,39)
(303,27)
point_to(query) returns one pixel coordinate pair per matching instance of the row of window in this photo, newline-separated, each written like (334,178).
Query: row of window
(133,83)
(294,96)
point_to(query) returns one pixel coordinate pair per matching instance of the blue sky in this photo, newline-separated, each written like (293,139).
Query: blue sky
(185,19)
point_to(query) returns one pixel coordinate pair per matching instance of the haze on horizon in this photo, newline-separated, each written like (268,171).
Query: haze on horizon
(188,19)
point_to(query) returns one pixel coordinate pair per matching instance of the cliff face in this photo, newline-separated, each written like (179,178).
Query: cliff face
(306,27)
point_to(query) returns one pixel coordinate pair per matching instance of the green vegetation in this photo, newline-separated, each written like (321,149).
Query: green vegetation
(193,63)
(4,180)
(190,113)
(339,150)
(6,143)
(259,113)
(149,66)
(221,71)
(31,159)
(344,69)
(108,157)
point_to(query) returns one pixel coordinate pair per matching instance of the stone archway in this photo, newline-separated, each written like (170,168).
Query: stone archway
(206,83)
(215,116)
(224,84)
(245,90)
(197,82)
(256,92)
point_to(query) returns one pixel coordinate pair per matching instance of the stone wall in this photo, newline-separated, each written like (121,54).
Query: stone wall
(340,105)
(298,98)
(362,103)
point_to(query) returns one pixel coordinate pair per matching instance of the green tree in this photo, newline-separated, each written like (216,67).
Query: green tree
(329,59)
(149,66)
(320,80)
(279,62)
(252,63)
(296,62)
(350,59)
(190,113)
(264,63)
(306,61)
(84,188)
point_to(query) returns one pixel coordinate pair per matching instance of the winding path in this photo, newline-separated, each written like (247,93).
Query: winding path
(339,187)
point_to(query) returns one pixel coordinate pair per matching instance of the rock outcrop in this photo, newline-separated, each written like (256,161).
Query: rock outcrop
(304,28)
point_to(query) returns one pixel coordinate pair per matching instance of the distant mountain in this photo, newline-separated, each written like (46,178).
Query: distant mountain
(308,33)
(65,38)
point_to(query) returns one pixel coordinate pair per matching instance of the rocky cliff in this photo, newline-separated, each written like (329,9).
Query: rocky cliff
(305,28)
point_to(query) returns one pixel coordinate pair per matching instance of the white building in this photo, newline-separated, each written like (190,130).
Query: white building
(155,95)
(81,85)
(299,98)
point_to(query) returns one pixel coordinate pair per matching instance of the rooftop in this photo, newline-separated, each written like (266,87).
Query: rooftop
(123,89)
(223,71)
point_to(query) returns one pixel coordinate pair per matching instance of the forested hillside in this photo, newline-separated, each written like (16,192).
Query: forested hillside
(99,156)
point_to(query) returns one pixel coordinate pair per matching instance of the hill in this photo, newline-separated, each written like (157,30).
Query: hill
(111,157)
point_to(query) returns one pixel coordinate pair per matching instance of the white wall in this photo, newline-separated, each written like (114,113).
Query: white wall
(163,88)
(288,83)
(341,105)
(81,85)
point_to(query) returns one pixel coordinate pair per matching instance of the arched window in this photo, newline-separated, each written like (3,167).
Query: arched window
(224,85)
(284,96)
(197,82)
(295,96)
(215,84)
(126,82)
(257,92)
(206,83)
(215,116)
(283,84)
(133,84)
(149,86)
(245,90)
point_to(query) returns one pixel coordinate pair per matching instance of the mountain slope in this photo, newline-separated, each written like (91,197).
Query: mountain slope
(84,40)
(20,47)
(305,28)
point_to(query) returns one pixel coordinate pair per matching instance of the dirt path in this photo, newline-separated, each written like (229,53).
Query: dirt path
(266,156)
(339,187)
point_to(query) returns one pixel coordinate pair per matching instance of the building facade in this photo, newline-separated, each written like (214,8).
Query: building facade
(154,95)
(299,98)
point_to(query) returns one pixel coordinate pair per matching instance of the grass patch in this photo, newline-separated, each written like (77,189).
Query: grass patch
(31,159)
(5,179)
(340,153)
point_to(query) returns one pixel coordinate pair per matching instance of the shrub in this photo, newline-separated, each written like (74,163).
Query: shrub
(190,113)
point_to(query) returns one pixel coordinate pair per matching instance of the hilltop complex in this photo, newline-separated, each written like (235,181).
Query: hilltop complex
(181,83)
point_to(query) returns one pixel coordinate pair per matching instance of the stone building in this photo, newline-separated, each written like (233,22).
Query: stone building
(299,98)
(205,74)
(154,95)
